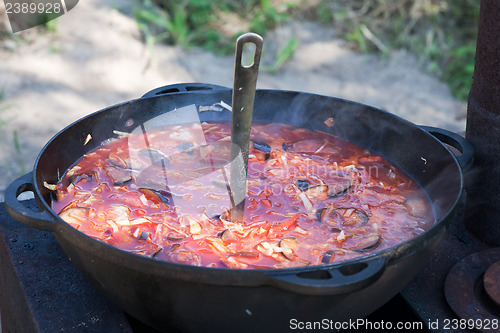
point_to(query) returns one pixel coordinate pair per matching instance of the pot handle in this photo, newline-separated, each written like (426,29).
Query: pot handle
(466,149)
(36,219)
(182,88)
(339,280)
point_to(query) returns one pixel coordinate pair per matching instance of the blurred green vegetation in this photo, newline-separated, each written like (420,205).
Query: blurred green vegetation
(440,33)
(206,23)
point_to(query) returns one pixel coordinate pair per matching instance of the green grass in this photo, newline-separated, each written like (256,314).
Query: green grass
(441,33)
(283,55)
(184,23)
(191,23)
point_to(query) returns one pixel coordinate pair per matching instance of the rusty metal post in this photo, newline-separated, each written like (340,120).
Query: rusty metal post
(483,129)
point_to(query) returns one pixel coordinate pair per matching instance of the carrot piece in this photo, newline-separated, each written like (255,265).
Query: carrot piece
(284,226)
(267,203)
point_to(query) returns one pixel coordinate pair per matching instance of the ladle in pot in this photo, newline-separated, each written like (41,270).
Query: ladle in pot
(245,81)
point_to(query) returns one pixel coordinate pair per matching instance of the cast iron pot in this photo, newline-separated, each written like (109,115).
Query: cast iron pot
(171,296)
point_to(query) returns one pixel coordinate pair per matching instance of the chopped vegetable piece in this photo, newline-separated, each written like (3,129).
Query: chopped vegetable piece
(51,187)
(75,215)
(227,236)
(307,203)
(288,246)
(154,195)
(417,207)
(119,214)
(329,122)
(119,176)
(367,242)
(194,226)
(285,225)
(267,248)
(117,160)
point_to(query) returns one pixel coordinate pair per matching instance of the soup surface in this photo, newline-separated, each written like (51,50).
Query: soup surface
(312,198)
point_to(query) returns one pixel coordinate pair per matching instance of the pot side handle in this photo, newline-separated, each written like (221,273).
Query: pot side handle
(182,88)
(466,149)
(36,219)
(340,280)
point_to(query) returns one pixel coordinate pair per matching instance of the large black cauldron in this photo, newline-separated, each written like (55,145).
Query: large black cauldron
(176,297)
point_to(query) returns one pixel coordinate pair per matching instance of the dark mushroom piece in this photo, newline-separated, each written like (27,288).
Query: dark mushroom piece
(302,184)
(322,214)
(157,252)
(224,217)
(140,234)
(119,176)
(319,192)
(288,246)
(352,217)
(323,192)
(227,236)
(175,237)
(328,257)
(79,177)
(263,147)
(328,217)
(263,150)
(338,189)
(144,235)
(369,242)
(154,195)
(348,217)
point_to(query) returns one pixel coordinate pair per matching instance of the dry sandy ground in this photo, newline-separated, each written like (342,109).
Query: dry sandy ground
(97,59)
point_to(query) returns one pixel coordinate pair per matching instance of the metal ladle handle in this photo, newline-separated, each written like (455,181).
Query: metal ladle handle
(245,81)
